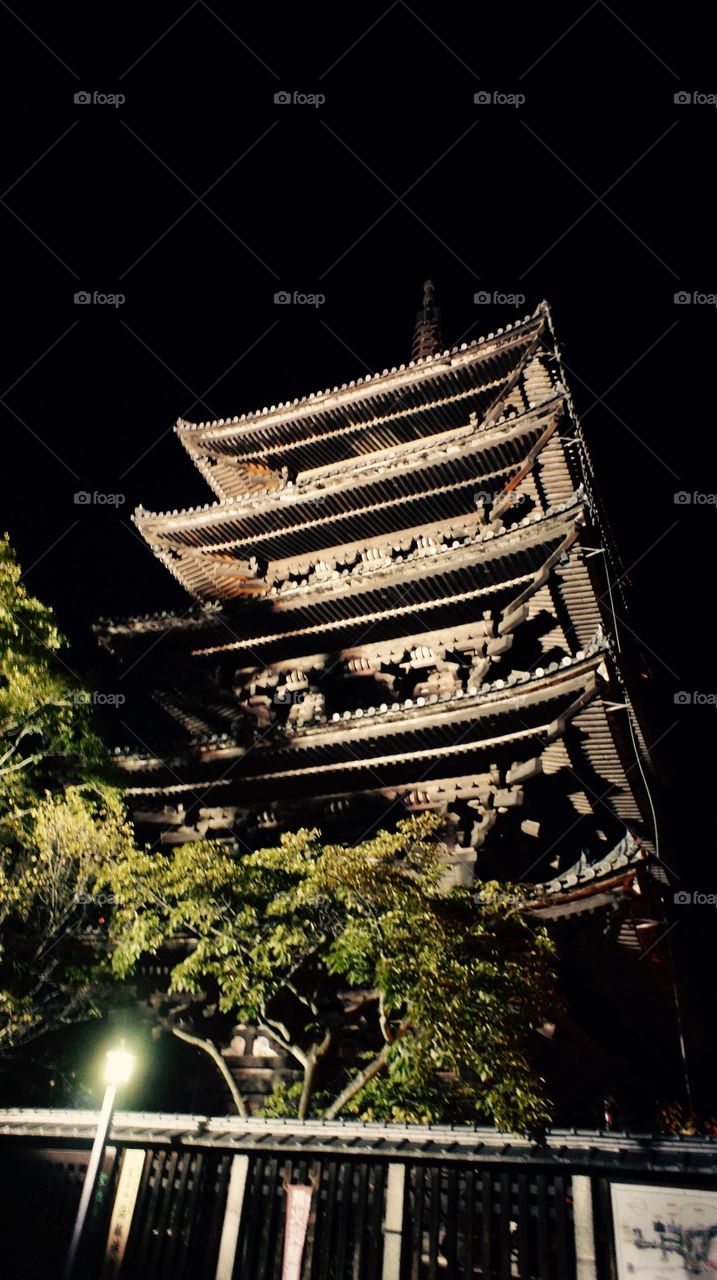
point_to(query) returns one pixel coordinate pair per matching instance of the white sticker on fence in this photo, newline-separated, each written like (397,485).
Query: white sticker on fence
(664,1232)
(298,1207)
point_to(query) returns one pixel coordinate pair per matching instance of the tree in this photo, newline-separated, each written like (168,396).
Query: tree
(59,824)
(295,939)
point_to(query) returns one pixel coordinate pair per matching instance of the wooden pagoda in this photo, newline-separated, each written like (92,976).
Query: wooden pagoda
(401,601)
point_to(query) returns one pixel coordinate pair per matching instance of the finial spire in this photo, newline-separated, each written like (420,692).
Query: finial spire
(427,332)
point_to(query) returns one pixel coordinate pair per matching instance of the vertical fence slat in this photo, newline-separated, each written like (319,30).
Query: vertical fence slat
(434,1178)
(269,1239)
(542,1204)
(253,1222)
(327,1226)
(359,1219)
(375,1251)
(154,1195)
(164,1204)
(504,1225)
(562,1241)
(450,1247)
(174,1225)
(343,1216)
(417,1224)
(523,1224)
(487,1223)
(469,1184)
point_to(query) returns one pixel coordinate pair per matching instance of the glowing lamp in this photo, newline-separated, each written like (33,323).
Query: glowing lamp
(119,1067)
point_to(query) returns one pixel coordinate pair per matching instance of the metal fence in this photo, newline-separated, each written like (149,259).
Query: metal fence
(197,1199)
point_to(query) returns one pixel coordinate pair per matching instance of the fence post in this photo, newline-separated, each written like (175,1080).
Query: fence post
(124,1205)
(584,1228)
(232,1218)
(393,1222)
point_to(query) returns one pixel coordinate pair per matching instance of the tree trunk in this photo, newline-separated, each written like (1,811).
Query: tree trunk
(368,1073)
(221,1065)
(316,1052)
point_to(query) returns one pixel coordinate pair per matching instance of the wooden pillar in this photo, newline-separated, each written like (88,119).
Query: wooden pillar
(232,1218)
(393,1222)
(585,1264)
(123,1210)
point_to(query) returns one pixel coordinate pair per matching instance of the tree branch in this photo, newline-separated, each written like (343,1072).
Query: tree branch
(368,1073)
(316,1052)
(284,1041)
(219,1062)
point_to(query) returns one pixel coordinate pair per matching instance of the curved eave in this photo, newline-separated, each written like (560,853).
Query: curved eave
(574,680)
(368,471)
(342,600)
(367,392)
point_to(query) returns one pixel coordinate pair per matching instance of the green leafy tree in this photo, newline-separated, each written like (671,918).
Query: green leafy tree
(302,939)
(59,824)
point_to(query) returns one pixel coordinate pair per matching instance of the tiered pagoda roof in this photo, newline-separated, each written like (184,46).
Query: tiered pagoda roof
(399,604)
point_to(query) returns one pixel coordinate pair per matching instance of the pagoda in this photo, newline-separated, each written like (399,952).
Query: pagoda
(400,599)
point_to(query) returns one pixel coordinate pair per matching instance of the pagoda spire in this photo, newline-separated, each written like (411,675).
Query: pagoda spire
(427,331)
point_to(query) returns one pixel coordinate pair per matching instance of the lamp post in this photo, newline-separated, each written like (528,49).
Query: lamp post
(117,1072)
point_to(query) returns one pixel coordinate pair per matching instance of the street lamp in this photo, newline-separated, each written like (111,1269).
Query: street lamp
(118,1071)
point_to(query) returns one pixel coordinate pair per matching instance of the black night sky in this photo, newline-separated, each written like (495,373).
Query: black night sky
(199,197)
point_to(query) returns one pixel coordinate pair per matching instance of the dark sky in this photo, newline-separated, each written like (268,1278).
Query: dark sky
(199,197)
